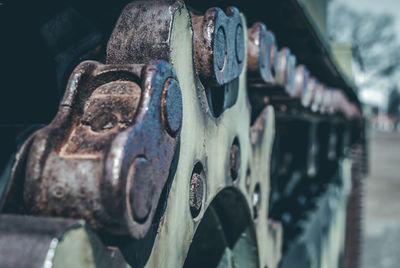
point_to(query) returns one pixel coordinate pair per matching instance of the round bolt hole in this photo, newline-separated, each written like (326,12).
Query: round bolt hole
(256,200)
(234,161)
(196,190)
(172,106)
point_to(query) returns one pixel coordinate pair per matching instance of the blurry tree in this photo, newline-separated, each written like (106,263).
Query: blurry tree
(375,48)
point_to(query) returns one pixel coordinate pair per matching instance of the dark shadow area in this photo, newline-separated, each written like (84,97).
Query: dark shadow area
(225,228)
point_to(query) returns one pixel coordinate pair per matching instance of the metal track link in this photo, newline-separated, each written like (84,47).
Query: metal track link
(165,149)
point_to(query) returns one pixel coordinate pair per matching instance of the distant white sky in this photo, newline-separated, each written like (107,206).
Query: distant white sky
(378,6)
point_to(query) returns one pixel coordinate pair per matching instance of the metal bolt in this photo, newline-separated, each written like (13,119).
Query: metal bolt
(273,50)
(239,43)
(290,73)
(264,57)
(196,192)
(172,106)
(234,164)
(220,47)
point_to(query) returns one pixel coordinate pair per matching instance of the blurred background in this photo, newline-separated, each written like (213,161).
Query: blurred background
(364,36)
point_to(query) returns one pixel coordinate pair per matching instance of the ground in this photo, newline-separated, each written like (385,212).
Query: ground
(381,247)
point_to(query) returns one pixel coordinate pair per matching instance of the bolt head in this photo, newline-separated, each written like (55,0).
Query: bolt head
(264,53)
(239,44)
(196,192)
(172,106)
(234,164)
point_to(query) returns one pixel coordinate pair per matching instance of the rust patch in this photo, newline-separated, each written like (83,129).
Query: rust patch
(86,162)
(218,45)
(261,54)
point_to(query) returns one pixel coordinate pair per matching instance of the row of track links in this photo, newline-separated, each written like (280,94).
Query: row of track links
(133,133)
(273,77)
(217,153)
(146,126)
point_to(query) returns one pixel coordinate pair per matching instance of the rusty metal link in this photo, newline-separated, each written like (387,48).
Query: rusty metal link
(145,159)
(308,94)
(317,97)
(218,40)
(218,45)
(106,155)
(326,104)
(301,82)
(286,70)
(136,40)
(273,77)
(223,74)
(261,54)
(338,99)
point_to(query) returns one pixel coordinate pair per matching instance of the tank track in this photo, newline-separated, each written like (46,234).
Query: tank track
(187,139)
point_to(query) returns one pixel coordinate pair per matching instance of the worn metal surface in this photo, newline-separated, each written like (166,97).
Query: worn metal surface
(107,154)
(208,140)
(142,32)
(172,141)
(300,81)
(285,70)
(261,54)
(274,78)
(218,42)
